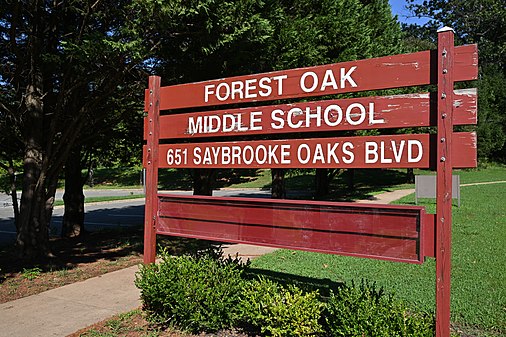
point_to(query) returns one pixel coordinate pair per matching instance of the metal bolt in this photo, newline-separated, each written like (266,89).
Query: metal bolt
(154,217)
(444,52)
(443,115)
(149,162)
(443,140)
(150,133)
(443,95)
(445,71)
(442,219)
(149,149)
(151,120)
(443,159)
(151,91)
(150,104)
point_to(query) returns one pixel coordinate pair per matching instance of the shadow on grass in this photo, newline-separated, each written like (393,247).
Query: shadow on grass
(365,182)
(349,185)
(324,286)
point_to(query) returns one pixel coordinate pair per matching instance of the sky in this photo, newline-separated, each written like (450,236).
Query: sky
(403,14)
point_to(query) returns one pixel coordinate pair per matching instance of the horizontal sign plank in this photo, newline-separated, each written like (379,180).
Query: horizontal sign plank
(388,151)
(370,74)
(374,231)
(398,111)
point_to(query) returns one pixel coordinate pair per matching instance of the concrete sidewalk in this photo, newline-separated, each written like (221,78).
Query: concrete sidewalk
(64,310)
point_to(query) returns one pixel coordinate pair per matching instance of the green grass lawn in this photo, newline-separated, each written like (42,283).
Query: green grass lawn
(478,262)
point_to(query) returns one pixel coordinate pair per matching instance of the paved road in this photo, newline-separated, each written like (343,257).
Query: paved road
(103,215)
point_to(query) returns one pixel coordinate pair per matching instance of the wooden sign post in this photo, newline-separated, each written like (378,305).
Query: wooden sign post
(235,138)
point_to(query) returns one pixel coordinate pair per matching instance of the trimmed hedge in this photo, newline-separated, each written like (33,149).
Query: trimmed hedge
(206,294)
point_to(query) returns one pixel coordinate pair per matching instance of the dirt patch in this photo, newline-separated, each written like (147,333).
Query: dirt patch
(133,324)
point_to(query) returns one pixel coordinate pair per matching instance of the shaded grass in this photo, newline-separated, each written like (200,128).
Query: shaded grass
(478,265)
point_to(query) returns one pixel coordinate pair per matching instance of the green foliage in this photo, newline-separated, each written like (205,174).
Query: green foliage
(195,294)
(365,310)
(482,22)
(279,311)
(31,273)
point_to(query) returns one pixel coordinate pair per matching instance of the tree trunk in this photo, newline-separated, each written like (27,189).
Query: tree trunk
(38,189)
(73,218)
(410,176)
(322,182)
(36,209)
(203,181)
(278,190)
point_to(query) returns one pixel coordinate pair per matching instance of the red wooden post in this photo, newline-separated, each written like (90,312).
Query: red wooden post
(151,161)
(444,179)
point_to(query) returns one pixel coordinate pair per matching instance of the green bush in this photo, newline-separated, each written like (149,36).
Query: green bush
(368,311)
(274,310)
(194,294)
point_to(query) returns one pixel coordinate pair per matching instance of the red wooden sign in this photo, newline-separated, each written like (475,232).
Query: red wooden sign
(371,74)
(399,111)
(391,151)
(383,232)
(397,233)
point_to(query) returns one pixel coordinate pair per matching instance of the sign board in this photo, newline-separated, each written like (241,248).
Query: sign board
(382,232)
(309,134)
(425,187)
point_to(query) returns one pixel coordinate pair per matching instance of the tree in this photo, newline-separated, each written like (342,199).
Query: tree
(61,62)
(328,31)
(482,22)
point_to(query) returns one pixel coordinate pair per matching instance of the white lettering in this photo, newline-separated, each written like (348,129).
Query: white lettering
(280,79)
(371,116)
(303,81)
(371,152)
(418,144)
(347,77)
(329,80)
(208,91)
(218,91)
(275,118)
(195,126)
(197,159)
(398,153)
(249,87)
(361,114)
(255,117)
(331,153)
(328,113)
(267,88)
(294,112)
(303,147)
(350,154)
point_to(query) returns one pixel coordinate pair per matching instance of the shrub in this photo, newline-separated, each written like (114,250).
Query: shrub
(275,310)
(368,311)
(194,294)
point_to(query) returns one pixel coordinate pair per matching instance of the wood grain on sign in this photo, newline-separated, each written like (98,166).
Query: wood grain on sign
(389,151)
(398,111)
(374,231)
(370,74)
